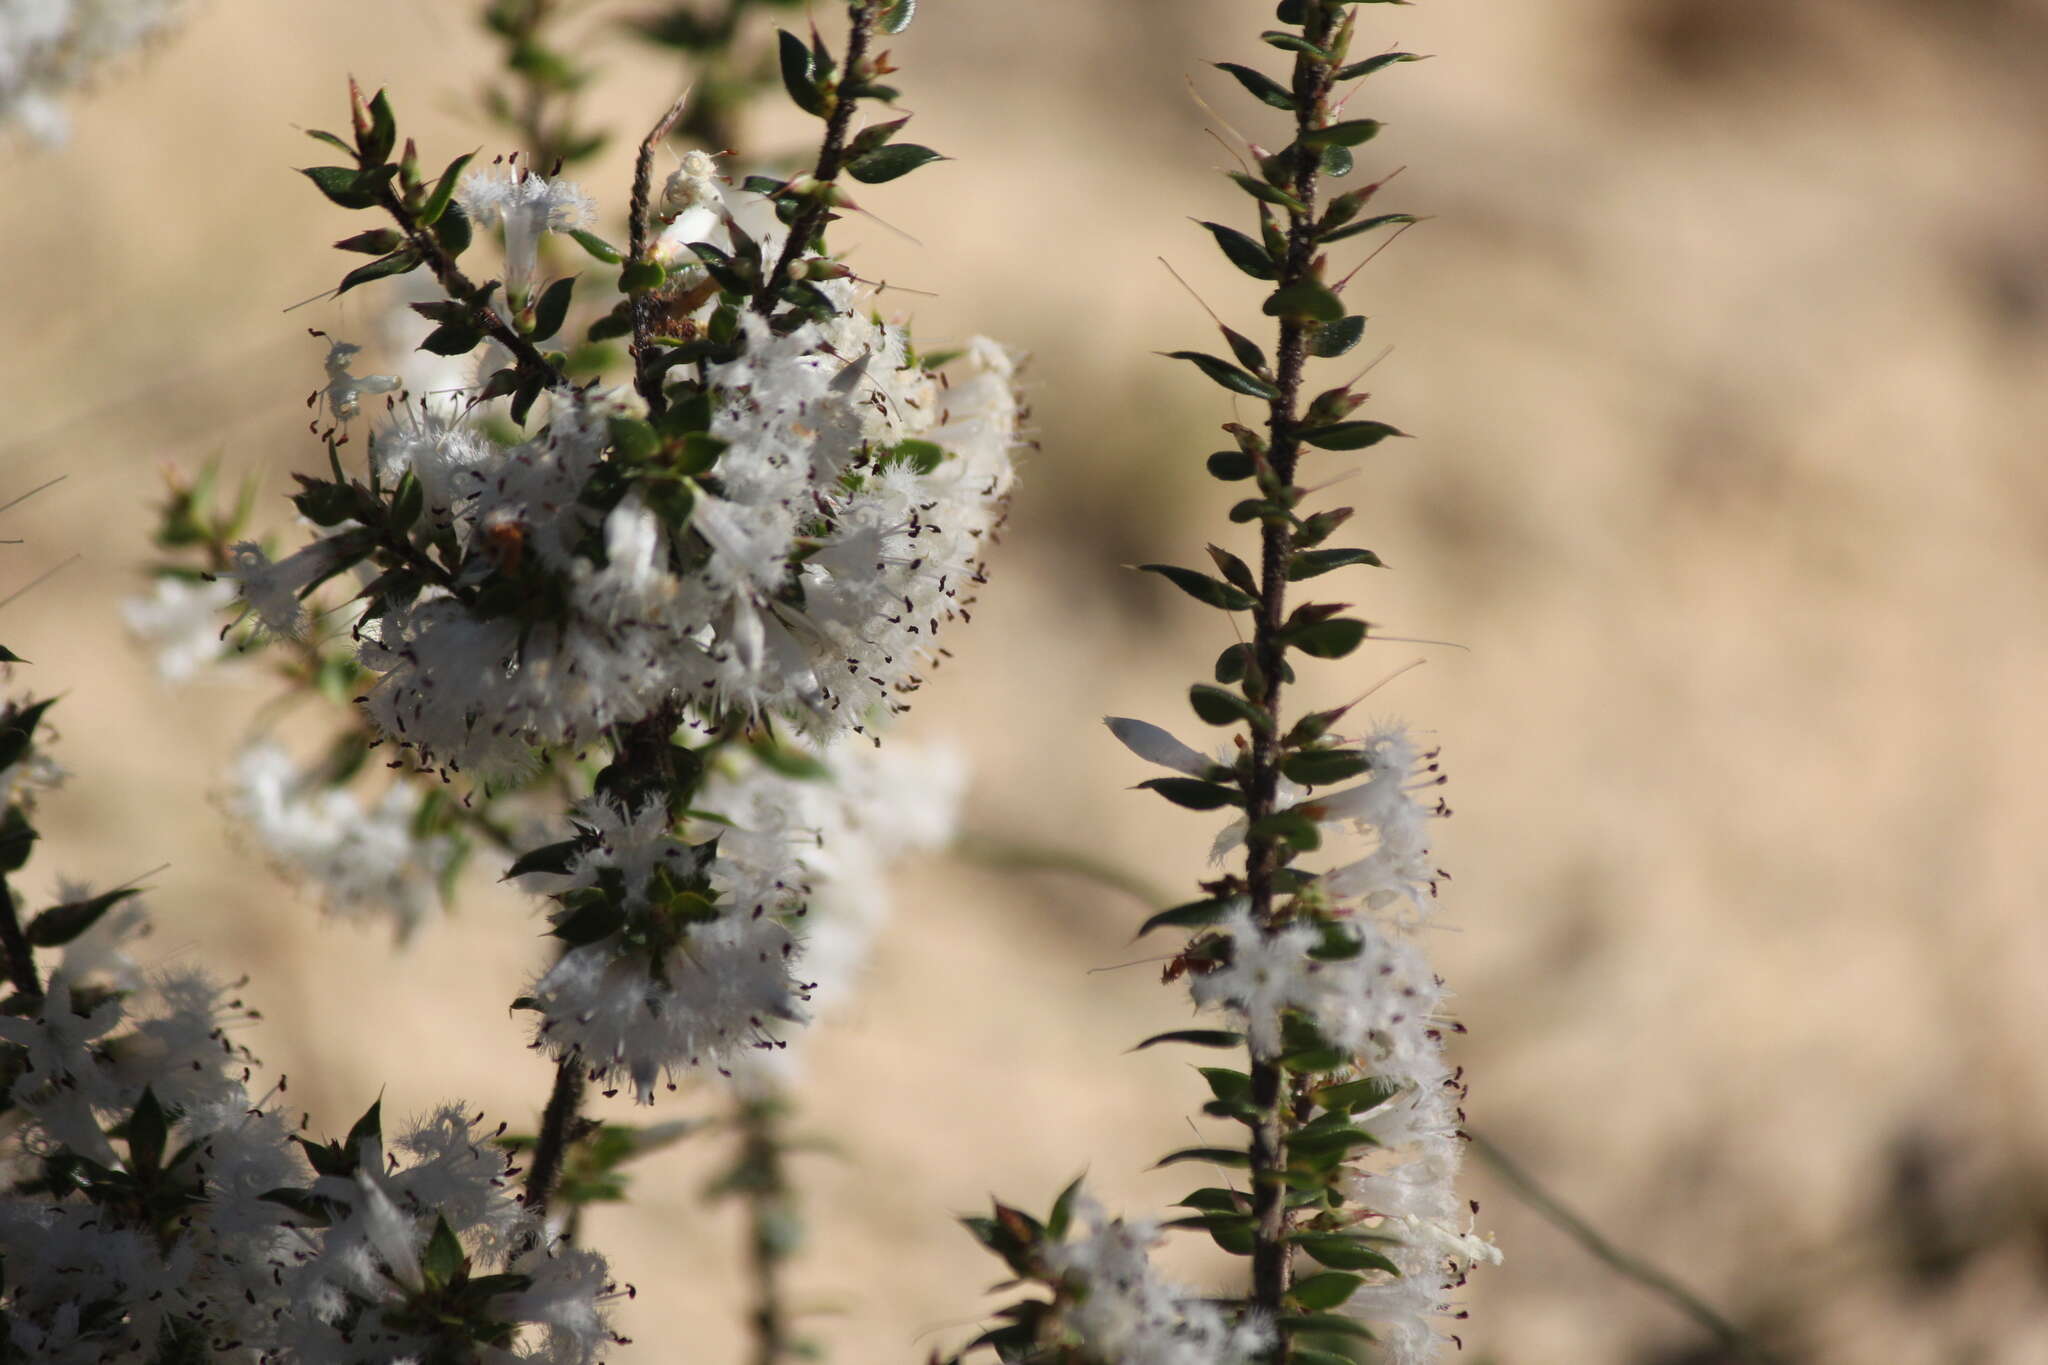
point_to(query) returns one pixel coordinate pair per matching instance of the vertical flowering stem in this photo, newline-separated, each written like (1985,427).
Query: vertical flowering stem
(1311,91)
(557,1129)
(760,1177)
(817,200)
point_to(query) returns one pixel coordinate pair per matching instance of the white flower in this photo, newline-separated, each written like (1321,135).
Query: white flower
(525,205)
(364,861)
(180,619)
(273,590)
(344,391)
(1127,1313)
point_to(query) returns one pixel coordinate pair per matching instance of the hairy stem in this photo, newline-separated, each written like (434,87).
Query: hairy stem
(771,1219)
(1311,88)
(558,1128)
(862,16)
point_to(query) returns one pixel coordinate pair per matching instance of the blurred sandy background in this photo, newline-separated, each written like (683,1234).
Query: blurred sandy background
(1726,348)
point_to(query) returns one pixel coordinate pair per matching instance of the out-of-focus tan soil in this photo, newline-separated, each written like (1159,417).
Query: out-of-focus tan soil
(1725,348)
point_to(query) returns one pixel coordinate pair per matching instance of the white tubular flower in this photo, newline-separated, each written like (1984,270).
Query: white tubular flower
(180,621)
(444,452)
(50,47)
(1127,1313)
(344,392)
(365,862)
(683,982)
(525,205)
(273,590)
(1155,745)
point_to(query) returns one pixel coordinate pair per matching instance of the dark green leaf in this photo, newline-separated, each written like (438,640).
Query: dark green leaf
(376,142)
(552,309)
(1340,1252)
(1350,435)
(897,16)
(555,858)
(1220,706)
(1226,1083)
(1333,339)
(1193,915)
(1372,64)
(640,276)
(1244,253)
(1218,1156)
(60,924)
(1354,1097)
(1063,1210)
(1306,301)
(1231,465)
(1337,161)
(453,231)
(1245,349)
(886,163)
(1234,1232)
(8,656)
(342,185)
(1364,225)
(1349,133)
(799,74)
(397,263)
(1341,1139)
(1293,42)
(331,140)
(374,242)
(1261,86)
(1194,794)
(1227,374)
(596,917)
(1324,1324)
(1290,827)
(368,1128)
(17,837)
(1309,563)
(1195,1037)
(1234,570)
(1267,194)
(1232,662)
(1204,589)
(452,338)
(1321,767)
(1328,639)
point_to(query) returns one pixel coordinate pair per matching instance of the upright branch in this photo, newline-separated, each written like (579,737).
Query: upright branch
(1341,1016)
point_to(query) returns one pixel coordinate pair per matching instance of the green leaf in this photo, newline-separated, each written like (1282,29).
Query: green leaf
(8,656)
(1267,194)
(1226,1083)
(555,858)
(1227,374)
(398,262)
(1340,1252)
(1234,1232)
(375,242)
(1245,349)
(1321,767)
(898,15)
(1234,570)
(17,837)
(452,338)
(1220,706)
(595,917)
(1328,639)
(1063,1210)
(1193,915)
(1372,64)
(1325,1325)
(1349,133)
(1232,662)
(444,191)
(1364,225)
(382,135)
(60,924)
(1293,42)
(1204,589)
(1218,1156)
(1195,1037)
(1336,161)
(1244,253)
(1231,465)
(1309,563)
(368,1128)
(799,72)
(1194,794)
(1305,301)
(146,1131)
(1261,86)
(407,502)
(17,733)
(342,185)
(1350,435)
(552,308)
(453,231)
(1325,1289)
(1332,339)
(1353,1097)
(597,246)
(886,163)
(1335,1139)
(1291,827)
(640,276)
(442,1260)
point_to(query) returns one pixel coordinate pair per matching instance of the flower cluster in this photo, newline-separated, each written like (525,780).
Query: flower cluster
(1124,1311)
(49,47)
